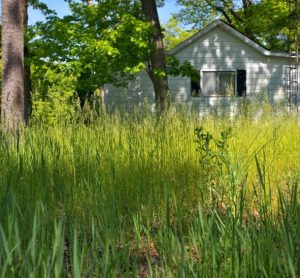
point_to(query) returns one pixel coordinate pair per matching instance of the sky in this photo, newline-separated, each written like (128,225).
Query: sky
(61,7)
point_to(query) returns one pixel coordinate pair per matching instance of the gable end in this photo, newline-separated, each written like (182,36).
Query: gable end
(232,31)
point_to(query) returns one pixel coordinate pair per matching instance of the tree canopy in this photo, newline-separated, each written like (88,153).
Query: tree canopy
(99,44)
(265,21)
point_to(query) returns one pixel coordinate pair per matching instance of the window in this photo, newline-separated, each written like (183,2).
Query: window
(195,86)
(241,83)
(218,83)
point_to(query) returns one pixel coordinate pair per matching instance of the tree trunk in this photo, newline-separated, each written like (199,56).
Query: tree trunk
(13,97)
(27,71)
(102,98)
(101,90)
(158,69)
(247,18)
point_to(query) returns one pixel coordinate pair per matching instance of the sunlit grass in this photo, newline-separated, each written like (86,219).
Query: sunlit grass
(131,195)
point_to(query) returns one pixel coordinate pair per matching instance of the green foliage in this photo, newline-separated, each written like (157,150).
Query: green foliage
(54,98)
(175,68)
(271,24)
(76,55)
(174,34)
(42,7)
(100,44)
(198,13)
(266,21)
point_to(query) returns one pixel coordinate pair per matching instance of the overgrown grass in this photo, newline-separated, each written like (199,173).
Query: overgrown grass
(129,196)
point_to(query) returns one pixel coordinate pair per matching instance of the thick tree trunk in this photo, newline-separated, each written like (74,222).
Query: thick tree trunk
(158,69)
(13,100)
(27,72)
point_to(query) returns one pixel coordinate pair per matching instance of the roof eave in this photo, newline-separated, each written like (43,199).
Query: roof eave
(193,38)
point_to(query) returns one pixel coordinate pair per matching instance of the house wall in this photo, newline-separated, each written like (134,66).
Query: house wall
(216,50)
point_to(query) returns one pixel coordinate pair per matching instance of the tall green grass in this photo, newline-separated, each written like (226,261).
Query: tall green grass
(131,195)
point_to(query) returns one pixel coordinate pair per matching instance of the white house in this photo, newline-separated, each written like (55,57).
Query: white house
(229,64)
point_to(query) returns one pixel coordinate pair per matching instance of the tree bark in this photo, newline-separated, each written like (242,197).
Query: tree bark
(158,68)
(13,97)
(247,18)
(27,71)
(101,87)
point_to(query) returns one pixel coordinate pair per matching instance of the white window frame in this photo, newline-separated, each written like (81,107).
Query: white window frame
(217,70)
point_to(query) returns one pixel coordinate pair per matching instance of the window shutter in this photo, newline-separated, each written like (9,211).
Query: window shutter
(241,83)
(195,85)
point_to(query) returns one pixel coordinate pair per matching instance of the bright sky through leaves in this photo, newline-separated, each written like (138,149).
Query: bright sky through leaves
(61,7)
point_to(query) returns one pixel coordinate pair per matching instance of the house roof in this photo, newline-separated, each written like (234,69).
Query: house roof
(231,30)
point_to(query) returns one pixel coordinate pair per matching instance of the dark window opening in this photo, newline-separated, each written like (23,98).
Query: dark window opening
(241,83)
(195,86)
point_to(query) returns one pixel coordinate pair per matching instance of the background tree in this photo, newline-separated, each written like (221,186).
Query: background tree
(36,4)
(100,44)
(13,97)
(265,21)
(101,89)
(238,13)
(271,23)
(174,33)
(157,68)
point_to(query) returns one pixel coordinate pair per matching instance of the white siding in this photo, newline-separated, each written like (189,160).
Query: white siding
(216,50)
(138,91)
